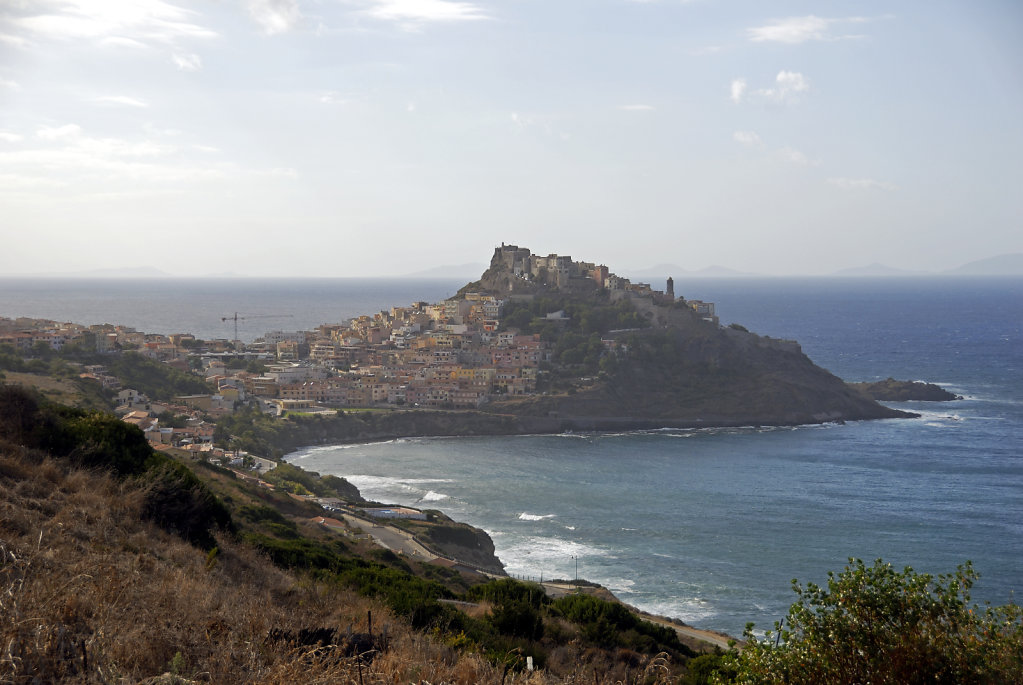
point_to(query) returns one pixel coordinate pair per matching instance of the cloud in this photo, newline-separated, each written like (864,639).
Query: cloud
(16,41)
(746,137)
(413,11)
(796,157)
(738,89)
(861,184)
(275,16)
(122,100)
(142,21)
(7,83)
(58,132)
(65,156)
(636,108)
(122,42)
(794,30)
(186,62)
(9,137)
(789,84)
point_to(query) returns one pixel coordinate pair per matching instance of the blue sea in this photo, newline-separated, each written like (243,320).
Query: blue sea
(709,526)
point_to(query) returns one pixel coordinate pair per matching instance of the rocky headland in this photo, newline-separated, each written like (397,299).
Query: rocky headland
(891,390)
(670,365)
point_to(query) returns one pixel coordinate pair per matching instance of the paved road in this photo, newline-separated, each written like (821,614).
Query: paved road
(391,538)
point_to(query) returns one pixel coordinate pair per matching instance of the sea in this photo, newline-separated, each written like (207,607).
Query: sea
(710,526)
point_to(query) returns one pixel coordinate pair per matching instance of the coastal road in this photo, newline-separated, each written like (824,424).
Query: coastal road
(389,537)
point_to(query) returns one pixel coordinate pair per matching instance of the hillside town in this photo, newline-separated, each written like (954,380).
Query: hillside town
(455,354)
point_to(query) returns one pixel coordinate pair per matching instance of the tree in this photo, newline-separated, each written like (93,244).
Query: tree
(872,624)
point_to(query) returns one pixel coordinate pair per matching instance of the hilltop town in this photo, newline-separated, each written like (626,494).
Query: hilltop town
(560,342)
(453,354)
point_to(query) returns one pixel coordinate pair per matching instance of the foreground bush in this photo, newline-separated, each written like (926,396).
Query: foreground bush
(873,624)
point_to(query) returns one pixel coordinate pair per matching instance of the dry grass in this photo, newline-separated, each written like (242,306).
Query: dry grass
(90,593)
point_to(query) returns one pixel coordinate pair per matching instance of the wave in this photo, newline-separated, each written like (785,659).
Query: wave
(557,555)
(432,496)
(526,516)
(692,610)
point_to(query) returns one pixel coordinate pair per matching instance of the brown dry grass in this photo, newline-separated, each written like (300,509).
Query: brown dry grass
(90,593)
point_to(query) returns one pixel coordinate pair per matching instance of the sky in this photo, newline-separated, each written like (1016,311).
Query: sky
(385,137)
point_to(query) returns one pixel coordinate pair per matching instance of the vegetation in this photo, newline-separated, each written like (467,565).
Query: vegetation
(152,378)
(70,471)
(251,430)
(174,498)
(118,562)
(873,624)
(575,340)
(293,479)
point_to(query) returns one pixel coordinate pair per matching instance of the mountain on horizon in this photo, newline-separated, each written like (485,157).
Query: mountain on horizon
(999,265)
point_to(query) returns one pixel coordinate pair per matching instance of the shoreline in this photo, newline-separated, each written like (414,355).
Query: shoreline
(396,539)
(699,639)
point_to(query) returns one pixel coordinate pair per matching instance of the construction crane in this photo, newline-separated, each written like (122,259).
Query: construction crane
(237,318)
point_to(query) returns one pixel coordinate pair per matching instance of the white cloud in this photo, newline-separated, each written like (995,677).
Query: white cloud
(122,100)
(794,30)
(861,184)
(65,156)
(636,108)
(275,16)
(122,42)
(186,62)
(58,132)
(794,156)
(425,10)
(746,137)
(143,21)
(7,83)
(9,137)
(738,89)
(789,84)
(16,41)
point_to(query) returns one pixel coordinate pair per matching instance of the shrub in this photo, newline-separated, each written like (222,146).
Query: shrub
(874,624)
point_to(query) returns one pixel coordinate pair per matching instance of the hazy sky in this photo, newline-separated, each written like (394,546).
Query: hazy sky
(374,137)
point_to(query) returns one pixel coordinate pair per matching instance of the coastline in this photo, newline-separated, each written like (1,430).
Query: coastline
(400,541)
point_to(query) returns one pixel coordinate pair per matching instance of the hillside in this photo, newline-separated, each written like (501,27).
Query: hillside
(118,563)
(627,355)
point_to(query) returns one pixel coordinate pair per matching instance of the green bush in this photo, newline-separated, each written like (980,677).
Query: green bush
(611,624)
(873,624)
(177,501)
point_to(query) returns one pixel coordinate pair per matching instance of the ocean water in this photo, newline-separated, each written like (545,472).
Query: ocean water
(709,526)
